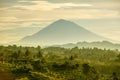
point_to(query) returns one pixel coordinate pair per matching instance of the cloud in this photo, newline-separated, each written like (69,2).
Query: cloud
(25,13)
(113,35)
(10,18)
(10,3)
(40,10)
(22,24)
(6,38)
(97,3)
(78,1)
(107,5)
(13,19)
(44,5)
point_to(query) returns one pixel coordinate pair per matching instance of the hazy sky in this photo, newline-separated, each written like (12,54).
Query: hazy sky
(19,18)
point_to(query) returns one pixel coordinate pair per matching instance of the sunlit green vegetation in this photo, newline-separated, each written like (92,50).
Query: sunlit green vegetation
(55,63)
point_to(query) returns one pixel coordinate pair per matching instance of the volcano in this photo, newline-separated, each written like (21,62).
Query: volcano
(61,32)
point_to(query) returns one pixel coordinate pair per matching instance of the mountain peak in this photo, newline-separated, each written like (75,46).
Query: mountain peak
(62,23)
(60,32)
(61,20)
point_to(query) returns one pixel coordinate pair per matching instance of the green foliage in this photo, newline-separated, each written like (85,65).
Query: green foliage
(86,68)
(21,70)
(38,77)
(39,66)
(118,57)
(55,63)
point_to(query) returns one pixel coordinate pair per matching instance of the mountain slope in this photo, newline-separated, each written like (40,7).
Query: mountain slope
(61,32)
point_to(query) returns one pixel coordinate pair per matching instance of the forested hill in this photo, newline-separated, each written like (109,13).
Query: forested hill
(102,45)
(55,63)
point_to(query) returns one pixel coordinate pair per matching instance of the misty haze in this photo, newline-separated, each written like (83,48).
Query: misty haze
(59,40)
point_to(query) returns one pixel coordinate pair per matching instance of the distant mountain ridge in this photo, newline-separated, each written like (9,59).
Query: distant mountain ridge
(61,32)
(97,44)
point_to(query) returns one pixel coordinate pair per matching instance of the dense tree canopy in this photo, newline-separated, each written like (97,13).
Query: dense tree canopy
(56,63)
